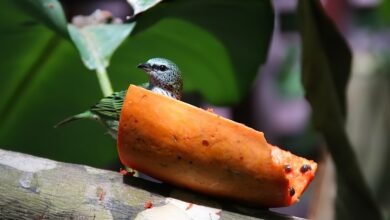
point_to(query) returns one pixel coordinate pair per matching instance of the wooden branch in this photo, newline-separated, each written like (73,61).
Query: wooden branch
(38,188)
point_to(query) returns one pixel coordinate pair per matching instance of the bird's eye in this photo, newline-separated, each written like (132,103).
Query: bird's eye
(162,67)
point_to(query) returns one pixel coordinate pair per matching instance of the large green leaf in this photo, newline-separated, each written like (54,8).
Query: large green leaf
(326,61)
(96,40)
(49,12)
(206,55)
(42,81)
(219,46)
(97,43)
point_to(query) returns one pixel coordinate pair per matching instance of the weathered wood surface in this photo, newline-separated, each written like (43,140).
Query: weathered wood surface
(38,188)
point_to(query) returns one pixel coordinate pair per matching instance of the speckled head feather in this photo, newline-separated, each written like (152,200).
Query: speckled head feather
(164,77)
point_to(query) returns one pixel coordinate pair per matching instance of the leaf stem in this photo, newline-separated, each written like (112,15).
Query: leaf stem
(104,81)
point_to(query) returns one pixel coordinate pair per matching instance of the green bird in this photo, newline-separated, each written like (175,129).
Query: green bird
(164,78)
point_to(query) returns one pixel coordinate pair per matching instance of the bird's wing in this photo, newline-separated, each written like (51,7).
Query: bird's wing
(110,107)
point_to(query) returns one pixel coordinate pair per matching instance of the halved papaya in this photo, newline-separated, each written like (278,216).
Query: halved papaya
(196,149)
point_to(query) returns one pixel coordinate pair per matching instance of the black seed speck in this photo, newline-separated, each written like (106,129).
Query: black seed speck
(287,168)
(291,191)
(179,157)
(305,168)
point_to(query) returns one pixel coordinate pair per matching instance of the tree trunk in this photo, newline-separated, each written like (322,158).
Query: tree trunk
(38,188)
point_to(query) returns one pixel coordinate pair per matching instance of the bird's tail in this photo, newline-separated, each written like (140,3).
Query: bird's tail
(83,115)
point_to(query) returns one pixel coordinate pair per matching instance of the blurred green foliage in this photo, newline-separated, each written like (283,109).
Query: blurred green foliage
(384,9)
(289,79)
(326,66)
(44,80)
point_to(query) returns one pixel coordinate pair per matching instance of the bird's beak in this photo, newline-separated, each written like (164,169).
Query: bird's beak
(145,66)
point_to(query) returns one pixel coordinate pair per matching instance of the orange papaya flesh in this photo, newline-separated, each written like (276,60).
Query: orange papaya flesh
(196,149)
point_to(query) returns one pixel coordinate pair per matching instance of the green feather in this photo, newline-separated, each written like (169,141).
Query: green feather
(107,111)
(110,107)
(83,115)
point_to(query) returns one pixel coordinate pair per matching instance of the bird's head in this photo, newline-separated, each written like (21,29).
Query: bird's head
(164,74)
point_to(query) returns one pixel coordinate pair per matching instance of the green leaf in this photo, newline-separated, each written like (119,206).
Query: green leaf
(47,11)
(326,63)
(142,5)
(206,56)
(384,10)
(289,78)
(97,43)
(42,81)
(218,44)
